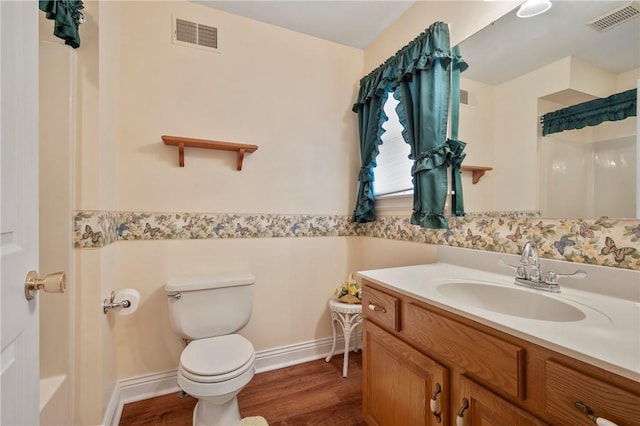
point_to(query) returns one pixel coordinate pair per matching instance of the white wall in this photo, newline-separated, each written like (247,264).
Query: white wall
(615,177)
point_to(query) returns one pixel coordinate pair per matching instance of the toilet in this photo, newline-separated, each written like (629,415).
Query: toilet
(216,364)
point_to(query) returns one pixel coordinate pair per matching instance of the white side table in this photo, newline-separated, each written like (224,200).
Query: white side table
(349,317)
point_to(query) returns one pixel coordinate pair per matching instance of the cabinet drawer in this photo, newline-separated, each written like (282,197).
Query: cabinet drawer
(498,363)
(566,386)
(381,308)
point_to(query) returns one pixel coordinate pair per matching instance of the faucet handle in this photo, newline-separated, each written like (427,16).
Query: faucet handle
(552,277)
(535,274)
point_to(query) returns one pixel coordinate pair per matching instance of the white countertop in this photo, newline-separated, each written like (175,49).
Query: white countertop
(608,336)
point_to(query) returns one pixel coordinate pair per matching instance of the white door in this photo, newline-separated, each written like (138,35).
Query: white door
(19,386)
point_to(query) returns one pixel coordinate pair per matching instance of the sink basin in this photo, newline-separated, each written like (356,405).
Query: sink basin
(511,301)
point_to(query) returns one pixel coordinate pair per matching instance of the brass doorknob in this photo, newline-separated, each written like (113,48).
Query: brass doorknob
(52,283)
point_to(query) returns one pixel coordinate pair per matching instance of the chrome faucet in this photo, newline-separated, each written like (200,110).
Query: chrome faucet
(529,274)
(529,268)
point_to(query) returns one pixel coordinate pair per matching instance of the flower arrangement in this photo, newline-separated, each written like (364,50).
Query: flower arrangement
(350,291)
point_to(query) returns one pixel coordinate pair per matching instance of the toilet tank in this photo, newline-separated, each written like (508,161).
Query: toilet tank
(208,306)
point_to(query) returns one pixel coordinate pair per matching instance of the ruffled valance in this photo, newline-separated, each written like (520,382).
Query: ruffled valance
(419,54)
(615,107)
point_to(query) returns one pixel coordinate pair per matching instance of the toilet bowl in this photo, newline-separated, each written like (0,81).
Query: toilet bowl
(217,363)
(215,370)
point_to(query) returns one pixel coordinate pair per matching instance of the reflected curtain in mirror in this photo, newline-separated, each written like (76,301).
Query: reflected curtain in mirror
(422,71)
(613,108)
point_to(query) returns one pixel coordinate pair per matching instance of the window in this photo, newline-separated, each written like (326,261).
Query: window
(393,170)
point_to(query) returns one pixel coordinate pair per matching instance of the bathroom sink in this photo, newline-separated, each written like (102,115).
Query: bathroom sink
(511,301)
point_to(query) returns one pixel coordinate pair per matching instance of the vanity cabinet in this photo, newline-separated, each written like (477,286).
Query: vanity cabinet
(401,382)
(418,356)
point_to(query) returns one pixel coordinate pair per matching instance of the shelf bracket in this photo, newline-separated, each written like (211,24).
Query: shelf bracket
(476,172)
(181,154)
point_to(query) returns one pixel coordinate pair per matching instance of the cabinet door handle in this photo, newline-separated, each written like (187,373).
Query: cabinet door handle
(433,403)
(460,416)
(377,308)
(600,421)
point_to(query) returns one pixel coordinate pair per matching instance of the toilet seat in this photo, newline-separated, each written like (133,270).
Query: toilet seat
(217,359)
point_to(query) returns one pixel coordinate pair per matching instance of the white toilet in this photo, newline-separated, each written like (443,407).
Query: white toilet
(216,364)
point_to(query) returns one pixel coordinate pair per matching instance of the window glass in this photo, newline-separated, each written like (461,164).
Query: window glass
(393,170)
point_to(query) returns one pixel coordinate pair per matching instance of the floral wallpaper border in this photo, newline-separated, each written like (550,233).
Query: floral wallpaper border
(606,242)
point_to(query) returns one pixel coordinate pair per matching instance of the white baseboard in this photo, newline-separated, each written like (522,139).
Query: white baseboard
(158,384)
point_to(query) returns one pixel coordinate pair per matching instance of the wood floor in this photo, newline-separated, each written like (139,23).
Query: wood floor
(314,393)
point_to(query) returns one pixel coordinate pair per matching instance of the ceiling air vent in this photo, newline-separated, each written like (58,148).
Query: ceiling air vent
(188,33)
(615,17)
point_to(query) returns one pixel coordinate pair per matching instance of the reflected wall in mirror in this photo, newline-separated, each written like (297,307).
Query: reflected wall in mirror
(589,172)
(520,69)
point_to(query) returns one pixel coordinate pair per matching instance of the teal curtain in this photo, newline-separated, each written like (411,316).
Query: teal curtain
(66,17)
(422,72)
(615,107)
(371,117)
(456,146)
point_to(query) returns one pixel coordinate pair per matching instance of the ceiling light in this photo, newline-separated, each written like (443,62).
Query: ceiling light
(533,8)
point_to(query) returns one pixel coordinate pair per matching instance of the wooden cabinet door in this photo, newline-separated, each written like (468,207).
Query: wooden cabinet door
(484,408)
(399,382)
(566,386)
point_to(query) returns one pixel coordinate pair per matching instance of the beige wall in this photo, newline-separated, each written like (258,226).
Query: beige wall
(57,129)
(95,188)
(294,279)
(295,97)
(290,94)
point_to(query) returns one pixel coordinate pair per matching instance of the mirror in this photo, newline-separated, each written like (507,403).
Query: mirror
(520,69)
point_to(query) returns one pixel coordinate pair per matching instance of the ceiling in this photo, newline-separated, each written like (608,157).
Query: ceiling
(512,46)
(493,56)
(352,23)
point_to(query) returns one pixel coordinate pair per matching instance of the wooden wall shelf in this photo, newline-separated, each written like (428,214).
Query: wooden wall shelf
(182,143)
(477,172)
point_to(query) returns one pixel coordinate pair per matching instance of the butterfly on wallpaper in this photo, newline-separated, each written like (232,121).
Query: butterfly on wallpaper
(121,229)
(89,234)
(188,226)
(516,235)
(473,238)
(151,231)
(563,243)
(618,253)
(585,232)
(541,227)
(483,223)
(447,234)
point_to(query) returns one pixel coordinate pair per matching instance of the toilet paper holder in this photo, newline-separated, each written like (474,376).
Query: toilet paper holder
(111,304)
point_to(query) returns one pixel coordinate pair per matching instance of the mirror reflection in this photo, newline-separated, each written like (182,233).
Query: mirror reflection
(520,69)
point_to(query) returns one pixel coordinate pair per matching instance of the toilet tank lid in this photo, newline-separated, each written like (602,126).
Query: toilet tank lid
(209,281)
